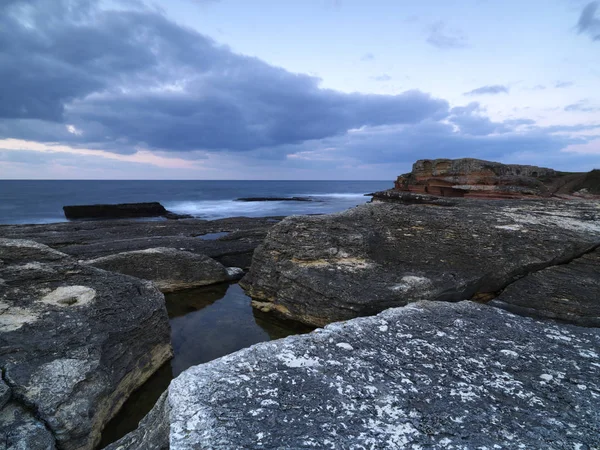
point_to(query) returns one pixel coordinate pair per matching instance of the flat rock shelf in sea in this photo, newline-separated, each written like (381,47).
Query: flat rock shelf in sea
(430,375)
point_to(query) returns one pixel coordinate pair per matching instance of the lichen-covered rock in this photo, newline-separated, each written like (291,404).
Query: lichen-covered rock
(430,375)
(170,269)
(322,269)
(75,341)
(569,292)
(20,430)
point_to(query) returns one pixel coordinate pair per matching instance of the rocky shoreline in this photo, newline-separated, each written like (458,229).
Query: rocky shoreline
(482,291)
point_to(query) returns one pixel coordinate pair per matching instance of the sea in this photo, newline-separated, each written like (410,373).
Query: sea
(41,201)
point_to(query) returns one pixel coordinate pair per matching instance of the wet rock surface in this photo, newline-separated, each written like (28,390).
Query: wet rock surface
(95,239)
(568,292)
(323,269)
(170,269)
(75,341)
(429,375)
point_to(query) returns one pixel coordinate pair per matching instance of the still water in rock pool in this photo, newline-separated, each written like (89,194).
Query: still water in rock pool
(206,323)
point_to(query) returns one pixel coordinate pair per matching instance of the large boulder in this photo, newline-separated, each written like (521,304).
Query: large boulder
(75,341)
(431,375)
(569,292)
(322,269)
(170,269)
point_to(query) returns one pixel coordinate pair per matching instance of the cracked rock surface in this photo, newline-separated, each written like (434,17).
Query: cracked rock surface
(430,375)
(75,341)
(569,292)
(322,269)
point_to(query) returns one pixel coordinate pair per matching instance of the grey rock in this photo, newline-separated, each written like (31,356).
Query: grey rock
(75,340)
(4,394)
(430,375)
(95,239)
(170,269)
(20,430)
(568,292)
(322,269)
(234,273)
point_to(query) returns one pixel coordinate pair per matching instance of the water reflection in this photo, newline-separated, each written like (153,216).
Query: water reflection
(206,323)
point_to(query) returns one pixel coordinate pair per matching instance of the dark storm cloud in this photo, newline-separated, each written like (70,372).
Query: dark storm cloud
(492,90)
(442,37)
(132,77)
(589,22)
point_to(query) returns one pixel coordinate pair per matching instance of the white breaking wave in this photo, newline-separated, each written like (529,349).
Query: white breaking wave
(334,195)
(217,209)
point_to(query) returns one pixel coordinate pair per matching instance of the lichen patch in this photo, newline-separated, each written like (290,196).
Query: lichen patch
(70,296)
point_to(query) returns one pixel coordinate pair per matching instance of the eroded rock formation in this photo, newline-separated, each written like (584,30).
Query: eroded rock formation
(75,341)
(431,375)
(326,268)
(470,177)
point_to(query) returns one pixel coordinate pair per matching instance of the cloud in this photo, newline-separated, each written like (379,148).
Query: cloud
(588,22)
(367,57)
(132,78)
(130,88)
(492,90)
(563,84)
(383,77)
(442,37)
(581,106)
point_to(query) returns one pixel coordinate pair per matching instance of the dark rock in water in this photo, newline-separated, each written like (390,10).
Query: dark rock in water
(175,216)
(95,239)
(276,199)
(122,210)
(393,195)
(75,341)
(323,269)
(569,292)
(432,375)
(170,269)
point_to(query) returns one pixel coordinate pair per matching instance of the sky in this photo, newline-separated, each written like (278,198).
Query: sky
(294,89)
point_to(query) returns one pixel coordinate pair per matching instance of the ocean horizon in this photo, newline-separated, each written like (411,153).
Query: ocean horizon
(41,201)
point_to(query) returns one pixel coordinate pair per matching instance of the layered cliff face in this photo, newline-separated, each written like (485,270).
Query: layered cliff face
(469,177)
